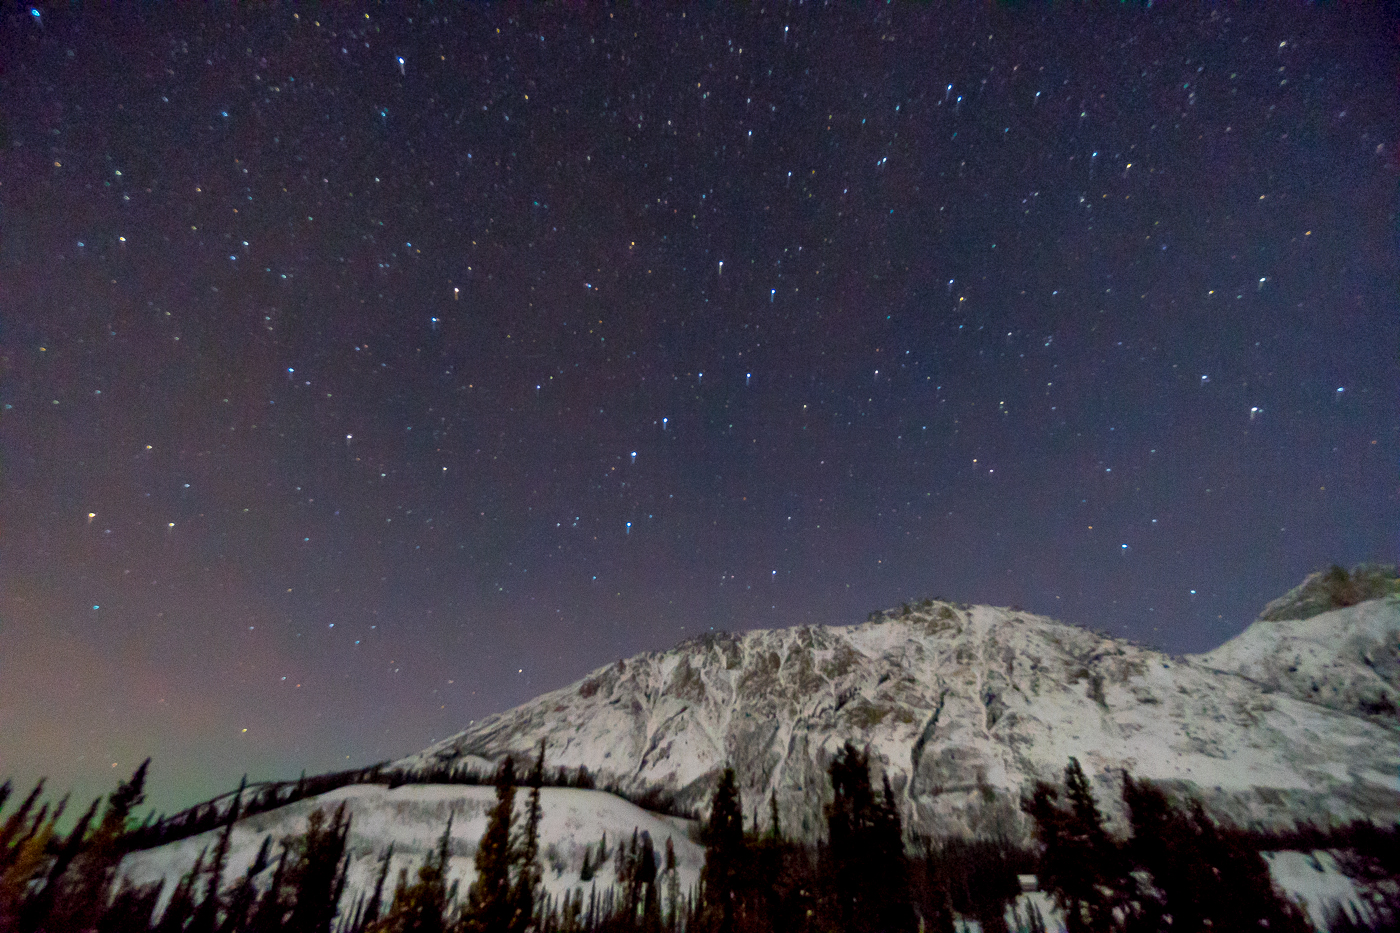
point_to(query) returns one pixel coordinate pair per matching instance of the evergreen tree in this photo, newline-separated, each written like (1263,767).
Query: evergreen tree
(11,834)
(1203,878)
(585,873)
(896,907)
(1244,896)
(725,852)
(318,875)
(528,875)
(673,885)
(35,912)
(132,909)
(376,899)
(868,868)
(422,906)
(1164,845)
(24,858)
(274,904)
(180,908)
(644,899)
(241,901)
(626,856)
(489,907)
(206,915)
(1079,865)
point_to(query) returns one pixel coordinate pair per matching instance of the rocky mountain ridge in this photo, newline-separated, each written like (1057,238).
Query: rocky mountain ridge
(963,707)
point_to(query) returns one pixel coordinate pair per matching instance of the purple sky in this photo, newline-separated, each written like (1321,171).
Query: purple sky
(364,376)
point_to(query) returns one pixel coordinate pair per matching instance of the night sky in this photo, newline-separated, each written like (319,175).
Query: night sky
(363,375)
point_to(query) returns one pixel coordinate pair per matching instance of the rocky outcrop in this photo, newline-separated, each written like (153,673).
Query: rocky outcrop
(964,707)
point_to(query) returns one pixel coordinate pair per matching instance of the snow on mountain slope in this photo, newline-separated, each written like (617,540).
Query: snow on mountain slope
(962,708)
(1318,884)
(412,817)
(1345,659)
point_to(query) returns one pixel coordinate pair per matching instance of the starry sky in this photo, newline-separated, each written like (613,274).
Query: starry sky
(365,374)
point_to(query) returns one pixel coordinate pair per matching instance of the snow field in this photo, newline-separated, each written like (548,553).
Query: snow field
(413,817)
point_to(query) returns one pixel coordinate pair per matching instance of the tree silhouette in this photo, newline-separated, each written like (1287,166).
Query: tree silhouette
(527,872)
(489,907)
(869,873)
(318,875)
(422,906)
(723,835)
(1079,864)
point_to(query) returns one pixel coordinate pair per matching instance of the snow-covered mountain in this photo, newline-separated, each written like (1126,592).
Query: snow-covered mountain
(1347,659)
(962,707)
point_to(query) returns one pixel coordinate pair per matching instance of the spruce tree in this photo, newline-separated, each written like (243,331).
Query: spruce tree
(489,907)
(24,860)
(273,905)
(23,852)
(1164,846)
(528,875)
(206,915)
(644,884)
(585,873)
(11,831)
(896,907)
(35,912)
(422,906)
(1244,896)
(180,907)
(1205,878)
(673,885)
(318,874)
(132,908)
(376,900)
(868,868)
(1079,864)
(725,852)
(244,895)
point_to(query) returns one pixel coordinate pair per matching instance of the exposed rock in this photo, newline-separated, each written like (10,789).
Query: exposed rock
(1333,589)
(964,707)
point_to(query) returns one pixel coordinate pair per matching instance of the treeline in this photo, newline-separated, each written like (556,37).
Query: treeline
(67,883)
(52,882)
(751,880)
(1177,871)
(270,795)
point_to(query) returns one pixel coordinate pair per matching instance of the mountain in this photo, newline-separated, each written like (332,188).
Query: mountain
(964,707)
(1346,660)
(961,707)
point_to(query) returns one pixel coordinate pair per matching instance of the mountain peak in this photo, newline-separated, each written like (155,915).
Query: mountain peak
(1334,588)
(964,707)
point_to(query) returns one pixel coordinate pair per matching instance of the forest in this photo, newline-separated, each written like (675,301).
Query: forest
(1176,870)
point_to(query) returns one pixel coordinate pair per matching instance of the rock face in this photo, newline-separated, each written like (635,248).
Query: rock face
(1333,589)
(962,708)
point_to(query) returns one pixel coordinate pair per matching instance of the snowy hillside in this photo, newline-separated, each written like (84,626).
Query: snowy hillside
(1344,659)
(962,707)
(413,817)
